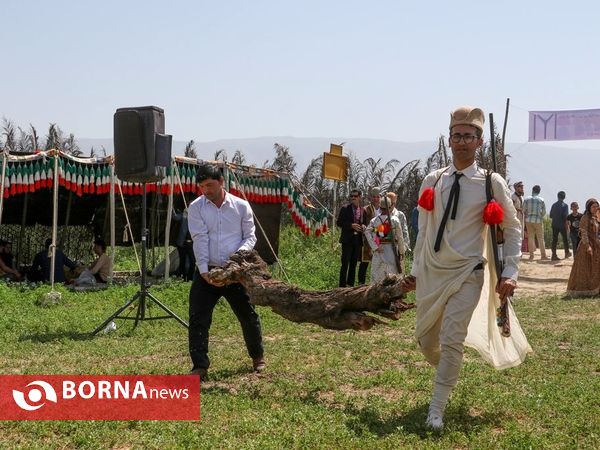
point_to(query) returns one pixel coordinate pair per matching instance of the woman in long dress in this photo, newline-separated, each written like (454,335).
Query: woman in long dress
(585,274)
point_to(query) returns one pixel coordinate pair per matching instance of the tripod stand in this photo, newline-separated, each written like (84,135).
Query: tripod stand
(142,296)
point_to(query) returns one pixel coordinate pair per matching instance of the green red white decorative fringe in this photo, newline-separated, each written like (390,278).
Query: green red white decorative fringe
(32,173)
(275,189)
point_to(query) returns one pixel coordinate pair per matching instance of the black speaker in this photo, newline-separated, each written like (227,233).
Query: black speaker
(142,150)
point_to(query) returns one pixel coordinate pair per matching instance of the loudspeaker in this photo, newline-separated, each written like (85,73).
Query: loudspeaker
(142,150)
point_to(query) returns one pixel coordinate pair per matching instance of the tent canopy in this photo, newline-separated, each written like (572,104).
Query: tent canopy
(85,184)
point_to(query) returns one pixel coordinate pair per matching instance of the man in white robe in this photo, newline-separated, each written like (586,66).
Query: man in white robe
(384,236)
(456,302)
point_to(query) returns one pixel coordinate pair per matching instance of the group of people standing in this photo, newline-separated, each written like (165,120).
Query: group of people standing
(376,233)
(579,232)
(531,212)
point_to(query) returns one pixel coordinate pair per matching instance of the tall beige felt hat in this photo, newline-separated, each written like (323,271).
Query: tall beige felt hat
(467,115)
(386,202)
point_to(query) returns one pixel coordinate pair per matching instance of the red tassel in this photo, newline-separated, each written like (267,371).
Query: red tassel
(426,199)
(493,214)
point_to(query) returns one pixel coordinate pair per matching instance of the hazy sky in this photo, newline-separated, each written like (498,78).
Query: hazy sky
(235,69)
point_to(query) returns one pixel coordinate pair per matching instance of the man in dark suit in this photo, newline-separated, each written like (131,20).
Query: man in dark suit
(350,220)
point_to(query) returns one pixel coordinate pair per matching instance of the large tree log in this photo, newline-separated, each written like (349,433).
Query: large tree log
(338,309)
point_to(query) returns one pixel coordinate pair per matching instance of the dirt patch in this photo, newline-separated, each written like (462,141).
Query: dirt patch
(543,277)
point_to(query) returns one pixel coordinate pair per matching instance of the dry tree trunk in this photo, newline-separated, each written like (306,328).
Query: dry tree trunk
(338,309)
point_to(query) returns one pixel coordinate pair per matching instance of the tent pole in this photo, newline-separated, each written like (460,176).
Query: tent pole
(154,224)
(54,219)
(333,225)
(180,184)
(112,223)
(168,223)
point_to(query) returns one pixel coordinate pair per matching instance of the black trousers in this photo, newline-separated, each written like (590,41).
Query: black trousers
(350,255)
(203,298)
(362,271)
(575,241)
(555,233)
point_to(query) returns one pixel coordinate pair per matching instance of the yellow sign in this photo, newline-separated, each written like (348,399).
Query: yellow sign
(336,149)
(335,167)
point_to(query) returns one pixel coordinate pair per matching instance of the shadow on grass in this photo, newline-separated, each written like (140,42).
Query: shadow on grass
(219,382)
(56,336)
(224,374)
(368,420)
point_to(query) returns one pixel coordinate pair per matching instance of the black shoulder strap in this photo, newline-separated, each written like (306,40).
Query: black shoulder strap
(488,185)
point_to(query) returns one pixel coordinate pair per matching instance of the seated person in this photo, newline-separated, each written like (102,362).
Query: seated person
(6,254)
(40,267)
(6,262)
(99,270)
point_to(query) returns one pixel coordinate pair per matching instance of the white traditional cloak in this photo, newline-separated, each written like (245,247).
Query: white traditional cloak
(441,274)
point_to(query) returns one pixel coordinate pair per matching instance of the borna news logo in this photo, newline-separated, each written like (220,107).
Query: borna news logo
(96,397)
(35,396)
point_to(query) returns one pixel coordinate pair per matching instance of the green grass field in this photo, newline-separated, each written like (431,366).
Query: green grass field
(322,389)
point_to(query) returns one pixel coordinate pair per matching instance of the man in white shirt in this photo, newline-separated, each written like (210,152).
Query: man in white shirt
(448,266)
(220,225)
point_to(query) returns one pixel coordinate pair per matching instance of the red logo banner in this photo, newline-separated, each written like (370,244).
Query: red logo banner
(99,397)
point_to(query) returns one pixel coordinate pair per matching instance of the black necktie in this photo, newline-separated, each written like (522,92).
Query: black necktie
(452,203)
